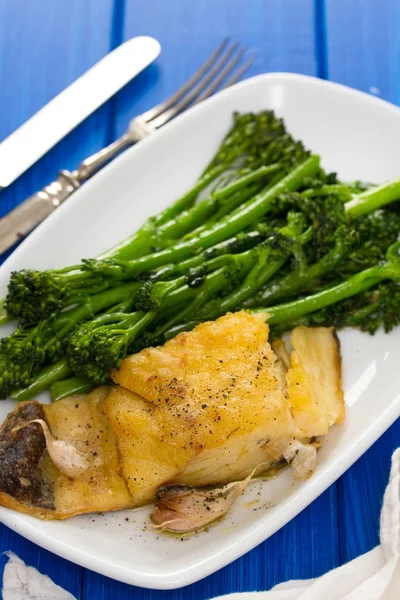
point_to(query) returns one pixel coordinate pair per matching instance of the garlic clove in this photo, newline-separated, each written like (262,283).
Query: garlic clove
(182,509)
(302,458)
(65,456)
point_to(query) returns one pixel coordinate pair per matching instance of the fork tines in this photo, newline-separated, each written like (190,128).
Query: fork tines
(224,67)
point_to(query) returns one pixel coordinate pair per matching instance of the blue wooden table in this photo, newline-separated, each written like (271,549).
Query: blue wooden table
(46,44)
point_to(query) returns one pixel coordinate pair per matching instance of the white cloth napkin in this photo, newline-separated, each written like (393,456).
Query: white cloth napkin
(21,582)
(372,576)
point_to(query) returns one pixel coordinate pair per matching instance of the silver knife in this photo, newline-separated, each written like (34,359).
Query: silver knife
(40,133)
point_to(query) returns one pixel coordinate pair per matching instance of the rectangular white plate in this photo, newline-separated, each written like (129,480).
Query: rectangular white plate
(356,135)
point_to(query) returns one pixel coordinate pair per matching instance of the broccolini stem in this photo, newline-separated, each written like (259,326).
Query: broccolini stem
(67,387)
(254,268)
(245,180)
(189,198)
(209,288)
(290,311)
(338,188)
(230,225)
(180,328)
(60,370)
(93,305)
(237,267)
(44,380)
(106,298)
(227,271)
(234,245)
(200,213)
(141,241)
(373,198)
(66,321)
(237,199)
(259,275)
(293,282)
(261,272)
(4,317)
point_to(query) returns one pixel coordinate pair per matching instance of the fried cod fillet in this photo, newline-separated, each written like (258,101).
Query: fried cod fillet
(209,407)
(29,480)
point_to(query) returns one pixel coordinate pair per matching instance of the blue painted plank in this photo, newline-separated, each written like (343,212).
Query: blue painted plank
(283,35)
(363,45)
(360,495)
(44,46)
(363,51)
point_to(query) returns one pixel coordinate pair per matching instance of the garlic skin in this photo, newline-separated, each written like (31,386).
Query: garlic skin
(182,509)
(65,456)
(302,458)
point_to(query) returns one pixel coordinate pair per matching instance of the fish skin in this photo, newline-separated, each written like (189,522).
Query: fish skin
(21,453)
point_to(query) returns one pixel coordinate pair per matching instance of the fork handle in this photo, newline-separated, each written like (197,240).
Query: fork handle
(93,163)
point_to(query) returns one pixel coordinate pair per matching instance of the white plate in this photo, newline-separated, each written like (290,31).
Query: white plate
(357,135)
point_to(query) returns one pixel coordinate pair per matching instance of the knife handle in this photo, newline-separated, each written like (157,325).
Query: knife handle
(20,221)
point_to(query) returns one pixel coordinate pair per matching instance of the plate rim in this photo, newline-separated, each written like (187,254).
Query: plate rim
(282,75)
(255,535)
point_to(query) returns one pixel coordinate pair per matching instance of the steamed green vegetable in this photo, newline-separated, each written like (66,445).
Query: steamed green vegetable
(263,228)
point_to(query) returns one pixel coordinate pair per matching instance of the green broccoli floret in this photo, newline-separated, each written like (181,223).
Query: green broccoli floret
(27,351)
(373,234)
(389,269)
(258,139)
(94,348)
(25,347)
(274,226)
(13,376)
(329,221)
(35,295)
(150,294)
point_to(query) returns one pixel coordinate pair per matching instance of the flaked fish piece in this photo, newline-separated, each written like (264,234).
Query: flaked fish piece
(31,482)
(209,408)
(314,380)
(206,408)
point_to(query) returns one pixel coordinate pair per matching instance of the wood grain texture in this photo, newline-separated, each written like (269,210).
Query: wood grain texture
(363,45)
(44,46)
(360,495)
(363,51)
(281,32)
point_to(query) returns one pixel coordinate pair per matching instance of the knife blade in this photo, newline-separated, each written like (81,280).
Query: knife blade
(48,126)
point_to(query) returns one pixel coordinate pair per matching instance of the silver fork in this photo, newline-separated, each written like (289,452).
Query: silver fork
(223,68)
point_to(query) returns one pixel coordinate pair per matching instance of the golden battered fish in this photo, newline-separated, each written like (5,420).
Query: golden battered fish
(212,405)
(209,407)
(29,480)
